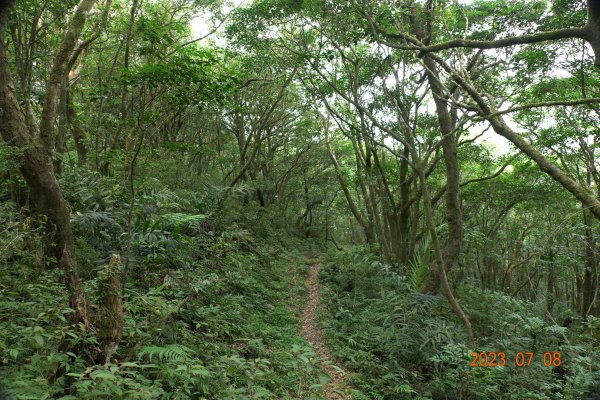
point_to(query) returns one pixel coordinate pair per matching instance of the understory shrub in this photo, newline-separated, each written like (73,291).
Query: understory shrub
(403,344)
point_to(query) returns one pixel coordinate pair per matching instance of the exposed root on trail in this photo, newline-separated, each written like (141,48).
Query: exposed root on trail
(336,389)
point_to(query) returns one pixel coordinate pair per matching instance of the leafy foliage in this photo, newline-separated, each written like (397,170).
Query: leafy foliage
(399,342)
(212,319)
(212,164)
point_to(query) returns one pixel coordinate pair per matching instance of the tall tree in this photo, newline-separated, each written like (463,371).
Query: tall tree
(36,150)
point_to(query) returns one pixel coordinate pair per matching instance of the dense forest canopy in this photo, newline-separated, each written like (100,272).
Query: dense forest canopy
(285,199)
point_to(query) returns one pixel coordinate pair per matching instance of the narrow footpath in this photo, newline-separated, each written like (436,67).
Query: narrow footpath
(336,389)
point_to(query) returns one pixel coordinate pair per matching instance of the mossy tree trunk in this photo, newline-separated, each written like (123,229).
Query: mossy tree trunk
(36,152)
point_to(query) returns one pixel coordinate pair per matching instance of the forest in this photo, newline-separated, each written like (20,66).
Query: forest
(300,199)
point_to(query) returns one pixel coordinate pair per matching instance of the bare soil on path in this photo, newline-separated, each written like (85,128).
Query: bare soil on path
(336,389)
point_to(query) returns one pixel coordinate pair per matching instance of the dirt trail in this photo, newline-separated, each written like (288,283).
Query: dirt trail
(336,389)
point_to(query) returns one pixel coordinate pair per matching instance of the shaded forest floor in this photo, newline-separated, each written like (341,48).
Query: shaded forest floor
(217,311)
(207,315)
(336,389)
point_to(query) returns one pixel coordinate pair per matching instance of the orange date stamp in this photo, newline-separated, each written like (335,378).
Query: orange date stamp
(521,359)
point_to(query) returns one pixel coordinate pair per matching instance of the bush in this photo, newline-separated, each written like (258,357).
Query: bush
(404,344)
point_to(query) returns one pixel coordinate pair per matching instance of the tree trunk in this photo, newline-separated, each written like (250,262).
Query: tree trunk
(550,279)
(109,319)
(36,160)
(592,28)
(404,214)
(60,143)
(453,211)
(589,271)
(77,130)
(489,111)
(443,277)
(338,173)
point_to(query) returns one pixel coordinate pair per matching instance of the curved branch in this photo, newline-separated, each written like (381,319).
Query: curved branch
(494,175)
(590,32)
(566,33)
(211,32)
(589,100)
(488,111)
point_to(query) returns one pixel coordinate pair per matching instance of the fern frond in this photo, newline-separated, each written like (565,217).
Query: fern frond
(169,353)
(419,267)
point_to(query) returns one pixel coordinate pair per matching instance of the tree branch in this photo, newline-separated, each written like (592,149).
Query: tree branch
(589,100)
(566,33)
(59,66)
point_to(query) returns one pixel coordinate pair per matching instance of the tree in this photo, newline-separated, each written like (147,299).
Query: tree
(488,108)
(36,157)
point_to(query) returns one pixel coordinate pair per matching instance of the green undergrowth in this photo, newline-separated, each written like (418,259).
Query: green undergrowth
(399,343)
(211,307)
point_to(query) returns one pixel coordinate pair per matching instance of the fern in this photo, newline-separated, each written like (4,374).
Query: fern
(91,222)
(178,221)
(419,267)
(169,353)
